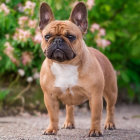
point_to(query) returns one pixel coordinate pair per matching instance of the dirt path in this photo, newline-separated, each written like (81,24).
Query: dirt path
(26,127)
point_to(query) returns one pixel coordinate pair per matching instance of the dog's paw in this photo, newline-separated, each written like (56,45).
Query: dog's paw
(109,126)
(95,133)
(68,125)
(50,132)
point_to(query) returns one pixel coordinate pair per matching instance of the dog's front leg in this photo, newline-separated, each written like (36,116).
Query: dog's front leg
(52,106)
(96,104)
(69,122)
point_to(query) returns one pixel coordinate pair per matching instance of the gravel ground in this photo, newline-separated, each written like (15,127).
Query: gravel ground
(27,127)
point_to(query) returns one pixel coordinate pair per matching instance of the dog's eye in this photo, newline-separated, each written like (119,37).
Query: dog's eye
(47,37)
(71,37)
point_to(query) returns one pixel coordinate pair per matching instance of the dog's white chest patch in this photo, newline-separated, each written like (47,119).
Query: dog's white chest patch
(66,76)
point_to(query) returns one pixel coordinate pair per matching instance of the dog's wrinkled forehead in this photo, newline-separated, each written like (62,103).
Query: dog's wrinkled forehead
(58,28)
(61,28)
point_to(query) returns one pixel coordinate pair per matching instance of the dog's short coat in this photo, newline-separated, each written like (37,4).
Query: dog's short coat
(74,73)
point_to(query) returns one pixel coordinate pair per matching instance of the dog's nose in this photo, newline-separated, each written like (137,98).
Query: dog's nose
(58,40)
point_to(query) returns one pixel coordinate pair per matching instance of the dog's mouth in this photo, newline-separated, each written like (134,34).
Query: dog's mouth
(59,51)
(58,55)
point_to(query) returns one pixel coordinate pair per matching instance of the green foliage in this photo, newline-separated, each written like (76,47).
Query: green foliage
(120,20)
(3,94)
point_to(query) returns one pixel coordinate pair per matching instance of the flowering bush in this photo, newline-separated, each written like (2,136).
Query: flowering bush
(113,29)
(20,39)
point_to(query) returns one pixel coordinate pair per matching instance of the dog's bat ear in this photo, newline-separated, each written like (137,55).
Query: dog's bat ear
(46,15)
(79,16)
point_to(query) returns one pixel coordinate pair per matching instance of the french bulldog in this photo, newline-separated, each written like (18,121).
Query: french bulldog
(74,73)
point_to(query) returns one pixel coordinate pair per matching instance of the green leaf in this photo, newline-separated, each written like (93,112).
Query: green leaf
(125,77)
(110,36)
(3,94)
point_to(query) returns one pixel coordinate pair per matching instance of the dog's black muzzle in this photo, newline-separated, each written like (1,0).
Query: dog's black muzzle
(59,50)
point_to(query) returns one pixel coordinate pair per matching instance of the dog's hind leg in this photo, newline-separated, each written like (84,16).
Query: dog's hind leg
(69,122)
(110,107)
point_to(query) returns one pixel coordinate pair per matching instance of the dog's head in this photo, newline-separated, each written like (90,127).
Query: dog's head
(62,39)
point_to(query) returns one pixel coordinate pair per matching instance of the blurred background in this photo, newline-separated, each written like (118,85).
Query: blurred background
(114,29)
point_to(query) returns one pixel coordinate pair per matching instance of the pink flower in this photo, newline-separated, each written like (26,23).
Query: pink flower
(36,75)
(9,51)
(21,72)
(108,42)
(37,38)
(21,35)
(103,43)
(94,27)
(32,23)
(30,79)
(26,58)
(22,21)
(29,7)
(9,48)
(4,8)
(90,4)
(20,8)
(102,32)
